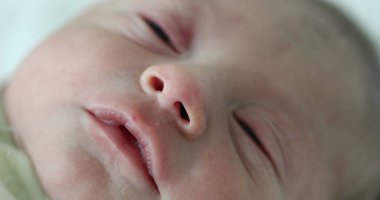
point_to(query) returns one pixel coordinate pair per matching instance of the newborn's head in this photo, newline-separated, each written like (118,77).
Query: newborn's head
(198,100)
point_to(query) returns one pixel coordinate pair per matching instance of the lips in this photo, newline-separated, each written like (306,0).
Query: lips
(116,138)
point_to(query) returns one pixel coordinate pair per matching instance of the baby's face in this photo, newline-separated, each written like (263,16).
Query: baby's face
(220,103)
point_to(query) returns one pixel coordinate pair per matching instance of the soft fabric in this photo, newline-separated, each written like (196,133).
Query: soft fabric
(17,178)
(24,24)
(365,14)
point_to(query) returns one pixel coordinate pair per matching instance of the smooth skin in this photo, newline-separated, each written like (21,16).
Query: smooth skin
(228,64)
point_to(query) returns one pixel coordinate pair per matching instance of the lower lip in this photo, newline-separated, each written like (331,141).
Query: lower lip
(118,146)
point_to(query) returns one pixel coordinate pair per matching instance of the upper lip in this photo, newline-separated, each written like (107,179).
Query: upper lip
(117,119)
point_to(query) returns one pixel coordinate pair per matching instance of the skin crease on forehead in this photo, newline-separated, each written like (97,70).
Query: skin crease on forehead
(243,58)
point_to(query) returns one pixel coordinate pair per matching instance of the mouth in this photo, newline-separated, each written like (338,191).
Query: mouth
(123,145)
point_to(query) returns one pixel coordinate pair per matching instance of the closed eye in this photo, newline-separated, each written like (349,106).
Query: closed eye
(247,129)
(161,34)
(249,132)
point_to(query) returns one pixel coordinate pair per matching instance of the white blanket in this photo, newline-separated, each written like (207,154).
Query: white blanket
(24,23)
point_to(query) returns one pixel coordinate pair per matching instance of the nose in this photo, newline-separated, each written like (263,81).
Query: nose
(176,90)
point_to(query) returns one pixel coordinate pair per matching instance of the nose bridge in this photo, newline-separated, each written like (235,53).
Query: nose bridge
(178,90)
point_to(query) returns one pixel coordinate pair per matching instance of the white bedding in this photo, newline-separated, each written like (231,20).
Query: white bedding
(24,23)
(366,13)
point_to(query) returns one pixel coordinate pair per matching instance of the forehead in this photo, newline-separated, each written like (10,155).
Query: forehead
(250,25)
(274,43)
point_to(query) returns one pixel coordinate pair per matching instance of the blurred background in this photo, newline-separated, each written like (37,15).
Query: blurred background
(366,14)
(24,23)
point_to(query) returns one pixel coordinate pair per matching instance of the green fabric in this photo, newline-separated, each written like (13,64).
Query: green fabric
(17,178)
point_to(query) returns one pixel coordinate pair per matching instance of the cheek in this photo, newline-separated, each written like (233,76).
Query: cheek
(41,76)
(75,175)
(40,102)
(215,173)
(60,70)
(37,111)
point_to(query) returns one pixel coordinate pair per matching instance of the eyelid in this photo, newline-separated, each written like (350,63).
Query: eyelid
(247,123)
(137,31)
(161,33)
(247,129)
(178,27)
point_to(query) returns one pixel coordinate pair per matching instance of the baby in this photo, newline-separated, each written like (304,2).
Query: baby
(201,100)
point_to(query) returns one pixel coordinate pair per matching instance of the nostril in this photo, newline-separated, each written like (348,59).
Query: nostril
(182,111)
(184,114)
(157,84)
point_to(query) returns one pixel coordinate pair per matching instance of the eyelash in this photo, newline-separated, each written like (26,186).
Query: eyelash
(161,34)
(252,134)
(249,132)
